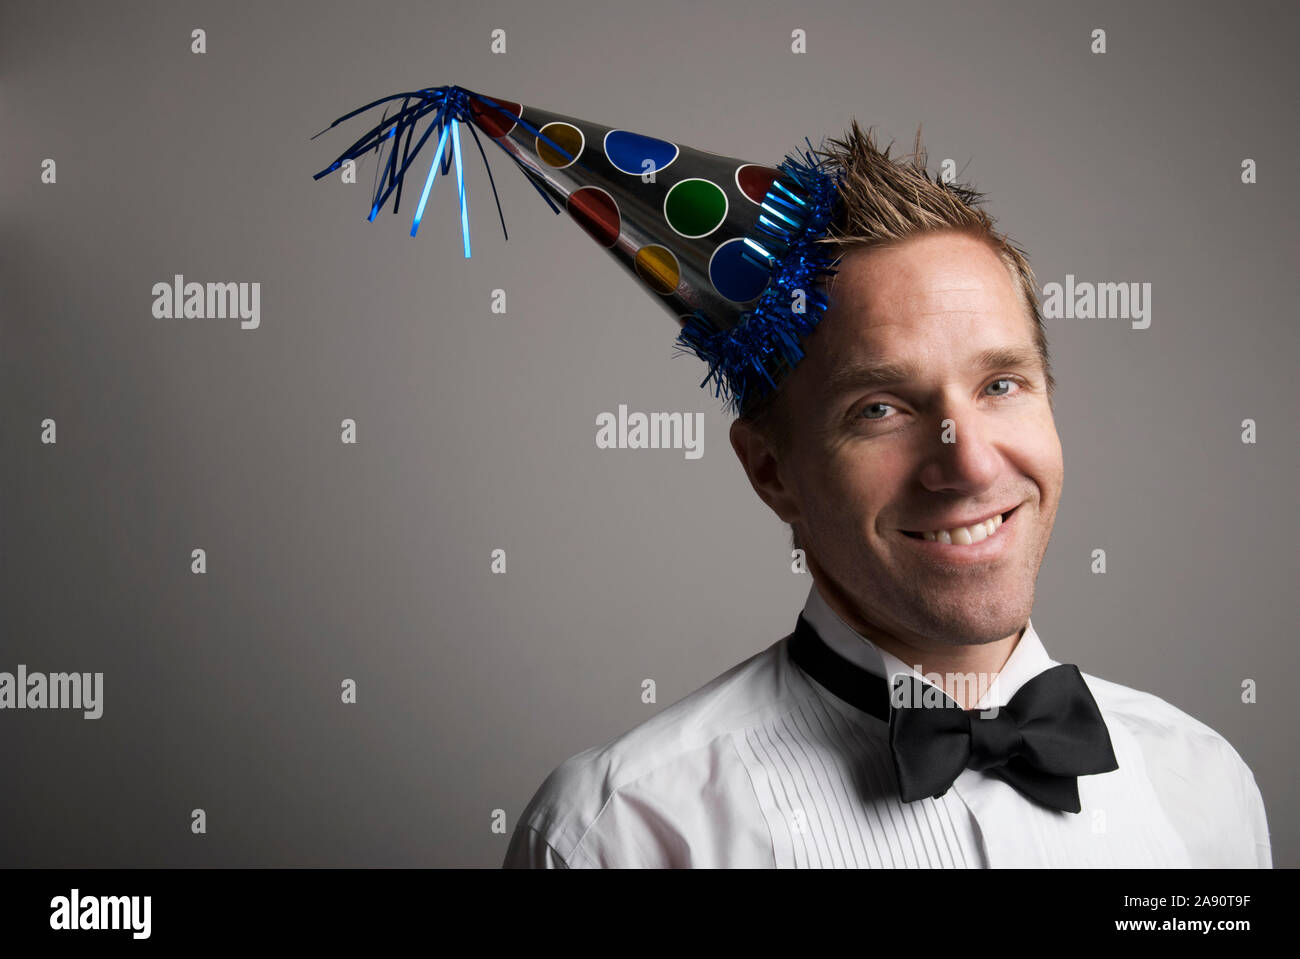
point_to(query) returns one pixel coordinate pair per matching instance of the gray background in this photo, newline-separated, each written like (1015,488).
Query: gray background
(477,430)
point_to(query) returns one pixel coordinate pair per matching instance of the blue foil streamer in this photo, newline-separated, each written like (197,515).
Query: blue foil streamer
(798,209)
(449,106)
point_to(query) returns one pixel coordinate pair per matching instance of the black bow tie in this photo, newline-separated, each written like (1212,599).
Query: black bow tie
(1047,735)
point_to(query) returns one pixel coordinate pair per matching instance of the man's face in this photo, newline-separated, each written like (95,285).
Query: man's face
(959,430)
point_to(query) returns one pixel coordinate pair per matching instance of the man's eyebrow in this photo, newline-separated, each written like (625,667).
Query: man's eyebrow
(857,376)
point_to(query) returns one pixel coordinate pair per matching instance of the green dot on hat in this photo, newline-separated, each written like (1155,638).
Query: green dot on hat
(695,207)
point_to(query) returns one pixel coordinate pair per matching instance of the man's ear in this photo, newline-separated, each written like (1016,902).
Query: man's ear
(760,463)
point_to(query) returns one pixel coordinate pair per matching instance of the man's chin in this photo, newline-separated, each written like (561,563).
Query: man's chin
(963,610)
(973,621)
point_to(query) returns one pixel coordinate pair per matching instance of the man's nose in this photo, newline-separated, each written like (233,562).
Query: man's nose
(960,454)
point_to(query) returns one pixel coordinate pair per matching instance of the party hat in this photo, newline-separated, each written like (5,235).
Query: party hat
(728,246)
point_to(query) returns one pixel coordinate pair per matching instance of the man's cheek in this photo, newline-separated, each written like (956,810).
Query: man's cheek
(847,478)
(1037,439)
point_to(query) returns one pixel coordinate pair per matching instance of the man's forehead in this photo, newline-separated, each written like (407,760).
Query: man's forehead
(952,330)
(950,287)
(961,297)
(921,267)
(944,299)
(956,323)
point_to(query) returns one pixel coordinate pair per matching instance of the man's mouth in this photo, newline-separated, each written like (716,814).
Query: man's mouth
(963,535)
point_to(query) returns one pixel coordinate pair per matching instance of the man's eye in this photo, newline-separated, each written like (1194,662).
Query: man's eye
(870,407)
(1005,379)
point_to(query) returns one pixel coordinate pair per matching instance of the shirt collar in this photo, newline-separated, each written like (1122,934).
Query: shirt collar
(1027,660)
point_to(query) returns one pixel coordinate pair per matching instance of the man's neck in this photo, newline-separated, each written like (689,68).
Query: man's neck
(956,663)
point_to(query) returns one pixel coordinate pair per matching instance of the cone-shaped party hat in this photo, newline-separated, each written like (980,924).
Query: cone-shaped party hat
(728,246)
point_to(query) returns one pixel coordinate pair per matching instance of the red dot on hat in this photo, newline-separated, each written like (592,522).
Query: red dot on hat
(754,180)
(596,212)
(488,119)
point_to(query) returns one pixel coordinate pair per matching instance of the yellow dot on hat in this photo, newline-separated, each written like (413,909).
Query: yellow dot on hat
(568,137)
(658,267)
(695,207)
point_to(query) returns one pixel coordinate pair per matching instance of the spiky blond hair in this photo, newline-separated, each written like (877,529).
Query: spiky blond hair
(883,200)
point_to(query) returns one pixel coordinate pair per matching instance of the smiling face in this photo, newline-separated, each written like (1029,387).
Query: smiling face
(921,405)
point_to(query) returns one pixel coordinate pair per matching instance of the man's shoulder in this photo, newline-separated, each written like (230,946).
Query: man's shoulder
(744,694)
(1202,782)
(1181,752)
(1153,719)
(665,754)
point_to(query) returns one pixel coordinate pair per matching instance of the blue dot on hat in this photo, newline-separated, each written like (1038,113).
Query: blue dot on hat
(735,277)
(629,152)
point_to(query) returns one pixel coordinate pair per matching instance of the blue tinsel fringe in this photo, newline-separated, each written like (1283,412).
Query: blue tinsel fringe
(794,219)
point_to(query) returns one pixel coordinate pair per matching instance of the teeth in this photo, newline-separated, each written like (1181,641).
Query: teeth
(965,535)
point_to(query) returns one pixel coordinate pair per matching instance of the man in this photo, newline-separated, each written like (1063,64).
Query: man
(914,455)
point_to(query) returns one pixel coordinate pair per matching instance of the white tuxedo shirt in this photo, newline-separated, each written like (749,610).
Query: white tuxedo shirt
(764,767)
